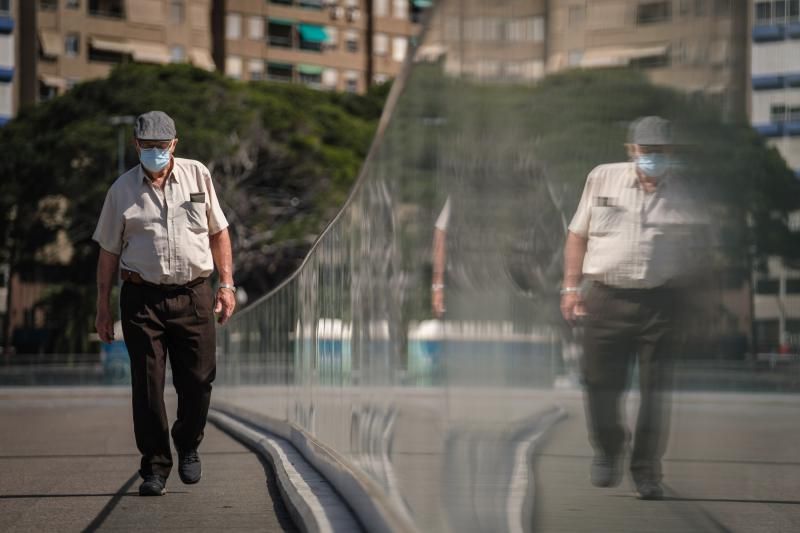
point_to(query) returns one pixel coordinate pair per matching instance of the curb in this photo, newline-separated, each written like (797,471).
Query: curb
(313,504)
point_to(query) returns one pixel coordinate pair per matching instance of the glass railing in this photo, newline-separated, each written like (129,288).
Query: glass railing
(422,342)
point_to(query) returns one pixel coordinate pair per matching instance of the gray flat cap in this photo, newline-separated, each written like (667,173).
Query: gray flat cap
(154,126)
(650,131)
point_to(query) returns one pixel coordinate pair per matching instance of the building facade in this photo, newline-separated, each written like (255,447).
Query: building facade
(83,39)
(333,44)
(774,108)
(691,45)
(8,60)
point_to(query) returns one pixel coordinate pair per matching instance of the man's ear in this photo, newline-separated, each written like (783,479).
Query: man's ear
(174,145)
(631,149)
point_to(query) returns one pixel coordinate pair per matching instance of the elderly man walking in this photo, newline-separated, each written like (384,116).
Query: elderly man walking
(625,255)
(162,225)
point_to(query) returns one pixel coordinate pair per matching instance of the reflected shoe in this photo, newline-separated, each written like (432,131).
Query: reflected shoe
(189,467)
(649,490)
(153,485)
(606,471)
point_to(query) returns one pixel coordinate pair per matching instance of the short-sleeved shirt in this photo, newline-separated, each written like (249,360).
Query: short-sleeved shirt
(163,234)
(636,239)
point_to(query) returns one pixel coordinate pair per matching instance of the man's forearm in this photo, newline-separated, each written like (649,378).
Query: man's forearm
(574,252)
(223,256)
(439,256)
(107,264)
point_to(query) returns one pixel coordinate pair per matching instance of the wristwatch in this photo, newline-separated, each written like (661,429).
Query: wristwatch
(227,286)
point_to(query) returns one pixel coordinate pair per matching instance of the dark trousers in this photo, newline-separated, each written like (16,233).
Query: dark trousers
(623,326)
(179,323)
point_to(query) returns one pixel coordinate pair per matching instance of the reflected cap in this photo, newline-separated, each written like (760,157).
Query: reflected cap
(650,131)
(154,126)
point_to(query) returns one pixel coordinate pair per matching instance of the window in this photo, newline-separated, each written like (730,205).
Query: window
(575,15)
(255,28)
(656,61)
(312,37)
(700,8)
(233,26)
(107,8)
(72,45)
(279,72)
(176,12)
(73,4)
(766,333)
(779,11)
(683,8)
(255,69)
(793,287)
(777,113)
(310,75)
(280,33)
(794,10)
(333,37)
(767,286)
(47,92)
(653,12)
(380,8)
(102,55)
(763,12)
(48,5)
(793,115)
(722,8)
(330,78)
(233,67)
(525,29)
(380,45)
(177,54)
(351,40)
(351,83)
(400,9)
(380,78)
(5,6)
(285,2)
(399,45)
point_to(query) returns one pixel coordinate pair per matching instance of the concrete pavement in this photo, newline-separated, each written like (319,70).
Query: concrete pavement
(68,462)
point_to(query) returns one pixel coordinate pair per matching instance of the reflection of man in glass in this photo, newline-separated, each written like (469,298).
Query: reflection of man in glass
(626,246)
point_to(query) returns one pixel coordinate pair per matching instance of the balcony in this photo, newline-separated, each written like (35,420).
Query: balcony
(792,128)
(764,34)
(6,24)
(774,129)
(761,83)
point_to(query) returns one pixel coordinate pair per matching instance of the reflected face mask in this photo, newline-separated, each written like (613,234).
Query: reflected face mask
(653,165)
(154,159)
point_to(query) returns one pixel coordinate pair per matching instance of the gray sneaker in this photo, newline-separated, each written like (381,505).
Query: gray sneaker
(189,467)
(606,471)
(153,485)
(649,490)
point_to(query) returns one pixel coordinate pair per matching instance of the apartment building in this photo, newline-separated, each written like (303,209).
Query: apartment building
(490,42)
(774,107)
(692,45)
(77,40)
(8,61)
(332,44)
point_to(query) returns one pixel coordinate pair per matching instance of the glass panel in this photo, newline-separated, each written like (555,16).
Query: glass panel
(423,341)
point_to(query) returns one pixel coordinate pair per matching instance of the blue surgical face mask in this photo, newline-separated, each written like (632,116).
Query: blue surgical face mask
(653,165)
(154,159)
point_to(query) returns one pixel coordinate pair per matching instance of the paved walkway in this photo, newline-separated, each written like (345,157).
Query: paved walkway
(68,462)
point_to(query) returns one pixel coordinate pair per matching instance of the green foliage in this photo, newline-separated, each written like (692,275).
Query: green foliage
(283,158)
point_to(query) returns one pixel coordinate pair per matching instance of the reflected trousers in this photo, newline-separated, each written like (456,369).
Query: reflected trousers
(175,322)
(624,326)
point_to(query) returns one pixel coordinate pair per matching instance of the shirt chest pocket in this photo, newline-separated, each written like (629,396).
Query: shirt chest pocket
(196,218)
(606,219)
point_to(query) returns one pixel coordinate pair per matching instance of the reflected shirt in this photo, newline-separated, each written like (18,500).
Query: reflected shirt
(635,239)
(162,233)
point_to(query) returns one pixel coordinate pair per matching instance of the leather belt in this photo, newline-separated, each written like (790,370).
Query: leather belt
(134,277)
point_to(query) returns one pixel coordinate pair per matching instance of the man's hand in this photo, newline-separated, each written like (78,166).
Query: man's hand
(224,305)
(104,325)
(437,302)
(572,307)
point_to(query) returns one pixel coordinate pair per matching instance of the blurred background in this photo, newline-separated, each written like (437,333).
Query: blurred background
(344,136)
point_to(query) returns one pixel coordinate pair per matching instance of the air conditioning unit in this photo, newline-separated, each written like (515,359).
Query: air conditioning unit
(353,14)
